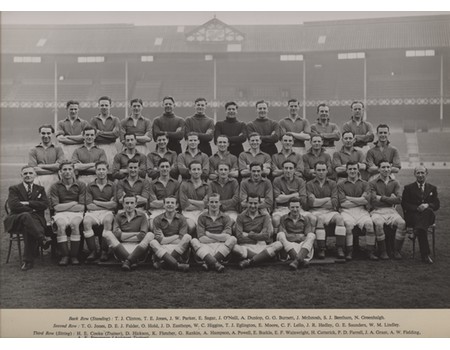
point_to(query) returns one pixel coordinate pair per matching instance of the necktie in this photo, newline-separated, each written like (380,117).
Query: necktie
(29,191)
(422,188)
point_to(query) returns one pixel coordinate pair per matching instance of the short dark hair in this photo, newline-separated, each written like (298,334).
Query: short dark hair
(105,98)
(261,101)
(316,135)
(348,131)
(355,102)
(223,163)
(382,126)
(138,100)
(231,103)
(293,100)
(168,98)
(252,195)
(161,133)
(132,160)
(72,102)
(66,162)
(163,160)
(294,200)
(170,197)
(222,135)
(47,126)
(322,105)
(252,134)
(193,133)
(320,162)
(194,162)
(287,134)
(101,162)
(129,134)
(252,164)
(289,161)
(350,163)
(87,128)
(198,99)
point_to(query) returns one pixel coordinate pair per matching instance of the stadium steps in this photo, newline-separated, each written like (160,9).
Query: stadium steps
(412,144)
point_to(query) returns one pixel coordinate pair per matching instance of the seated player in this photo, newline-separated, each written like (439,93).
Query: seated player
(120,164)
(253,232)
(171,240)
(323,203)
(228,190)
(287,141)
(85,157)
(27,203)
(161,151)
(256,184)
(385,194)
(223,156)
(137,124)
(348,153)
(215,241)
(254,154)
(193,195)
(297,235)
(129,238)
(192,153)
(354,197)
(67,199)
(316,154)
(101,204)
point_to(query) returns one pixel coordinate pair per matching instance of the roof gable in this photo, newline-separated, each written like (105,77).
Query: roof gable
(215,31)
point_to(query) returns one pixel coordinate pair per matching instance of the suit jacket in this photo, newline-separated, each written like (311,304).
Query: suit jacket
(413,197)
(38,203)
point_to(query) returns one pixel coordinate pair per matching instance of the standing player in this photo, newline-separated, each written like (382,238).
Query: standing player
(348,153)
(108,128)
(130,238)
(192,153)
(85,157)
(170,124)
(297,235)
(268,129)
(171,241)
(362,129)
(385,194)
(45,158)
(297,125)
(329,131)
(287,153)
(120,164)
(254,154)
(354,197)
(161,151)
(323,201)
(254,235)
(100,204)
(69,131)
(222,156)
(258,185)
(137,124)
(316,154)
(201,124)
(215,241)
(235,130)
(67,199)
(382,150)
(135,185)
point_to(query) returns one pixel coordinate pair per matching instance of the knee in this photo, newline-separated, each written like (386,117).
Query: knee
(195,244)
(231,242)
(311,236)
(277,246)
(281,236)
(276,220)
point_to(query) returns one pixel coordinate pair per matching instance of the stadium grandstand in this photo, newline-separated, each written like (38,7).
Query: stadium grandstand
(398,66)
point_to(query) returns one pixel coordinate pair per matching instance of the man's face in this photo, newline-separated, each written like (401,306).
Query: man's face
(383,134)
(196,171)
(46,135)
(129,204)
(162,142)
(73,110)
(89,136)
(193,142)
(321,171)
(168,105)
(287,142)
(293,108)
(105,107)
(130,142)
(231,111)
(223,171)
(28,175)
(255,142)
(253,204)
(385,169)
(67,171)
(214,203)
(222,144)
(288,170)
(136,107)
(101,171)
(421,174)
(164,169)
(348,139)
(262,110)
(358,111)
(324,113)
(200,107)
(352,171)
(170,204)
(294,208)
(133,169)
(256,173)
(316,142)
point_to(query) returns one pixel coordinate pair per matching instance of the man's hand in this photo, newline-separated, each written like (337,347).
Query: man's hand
(422,207)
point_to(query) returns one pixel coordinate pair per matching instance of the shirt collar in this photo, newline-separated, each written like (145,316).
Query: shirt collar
(41,145)
(76,119)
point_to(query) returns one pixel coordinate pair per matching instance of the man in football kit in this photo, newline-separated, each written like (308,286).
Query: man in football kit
(69,131)
(45,158)
(323,127)
(129,238)
(287,141)
(254,235)
(316,154)
(254,154)
(100,204)
(223,156)
(296,125)
(215,241)
(354,197)
(120,164)
(170,124)
(138,125)
(171,241)
(201,124)
(67,199)
(133,184)
(27,203)
(161,151)
(235,130)
(259,185)
(297,235)
(323,203)
(362,129)
(385,194)
(85,157)
(346,154)
(192,153)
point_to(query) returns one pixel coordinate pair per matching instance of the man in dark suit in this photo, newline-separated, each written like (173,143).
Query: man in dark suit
(27,202)
(420,201)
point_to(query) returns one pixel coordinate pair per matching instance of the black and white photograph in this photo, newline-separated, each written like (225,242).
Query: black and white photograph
(225,162)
